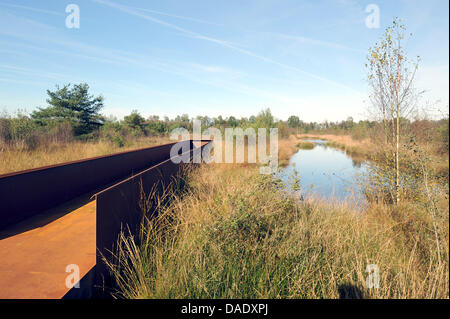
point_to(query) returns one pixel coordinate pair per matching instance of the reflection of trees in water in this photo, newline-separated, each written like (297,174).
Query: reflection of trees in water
(357,161)
(338,178)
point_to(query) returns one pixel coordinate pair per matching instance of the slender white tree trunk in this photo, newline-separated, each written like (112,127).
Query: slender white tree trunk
(397,163)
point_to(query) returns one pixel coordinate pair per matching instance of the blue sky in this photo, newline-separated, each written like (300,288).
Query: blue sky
(224,57)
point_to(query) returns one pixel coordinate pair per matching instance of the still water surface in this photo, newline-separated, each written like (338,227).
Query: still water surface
(326,172)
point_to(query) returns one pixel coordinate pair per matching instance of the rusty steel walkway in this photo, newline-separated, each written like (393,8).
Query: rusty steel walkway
(73,217)
(36,252)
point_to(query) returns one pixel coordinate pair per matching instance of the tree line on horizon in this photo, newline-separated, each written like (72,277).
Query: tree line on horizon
(74,113)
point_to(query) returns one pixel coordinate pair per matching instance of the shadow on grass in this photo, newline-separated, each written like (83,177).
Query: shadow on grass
(348,291)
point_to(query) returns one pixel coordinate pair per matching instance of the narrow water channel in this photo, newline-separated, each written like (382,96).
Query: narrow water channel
(326,173)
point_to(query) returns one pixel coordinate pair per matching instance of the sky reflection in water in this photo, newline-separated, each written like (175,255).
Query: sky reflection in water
(326,172)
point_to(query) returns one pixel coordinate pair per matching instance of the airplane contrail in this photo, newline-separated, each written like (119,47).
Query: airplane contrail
(223,43)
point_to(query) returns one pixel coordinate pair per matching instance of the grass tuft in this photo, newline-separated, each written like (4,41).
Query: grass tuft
(305,145)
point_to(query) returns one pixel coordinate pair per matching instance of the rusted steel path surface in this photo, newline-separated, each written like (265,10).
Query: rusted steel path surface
(33,262)
(48,219)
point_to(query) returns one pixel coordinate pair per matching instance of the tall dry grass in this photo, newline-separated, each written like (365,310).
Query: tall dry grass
(346,143)
(17,159)
(233,233)
(286,148)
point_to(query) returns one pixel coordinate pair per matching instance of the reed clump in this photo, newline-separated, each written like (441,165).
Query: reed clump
(305,145)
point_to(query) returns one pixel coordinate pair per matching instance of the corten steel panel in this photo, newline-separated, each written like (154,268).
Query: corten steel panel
(26,193)
(33,263)
(118,207)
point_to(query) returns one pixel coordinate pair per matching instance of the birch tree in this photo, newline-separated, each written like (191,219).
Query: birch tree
(393,97)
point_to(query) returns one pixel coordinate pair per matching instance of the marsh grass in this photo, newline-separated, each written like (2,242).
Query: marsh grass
(286,148)
(233,233)
(305,145)
(13,159)
(354,148)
